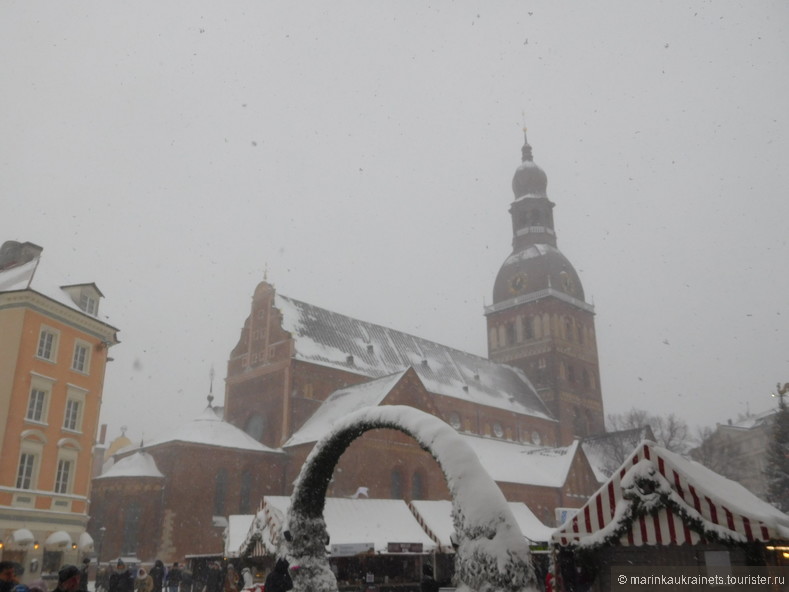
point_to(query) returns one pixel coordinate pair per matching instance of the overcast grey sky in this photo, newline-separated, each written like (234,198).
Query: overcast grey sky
(363,152)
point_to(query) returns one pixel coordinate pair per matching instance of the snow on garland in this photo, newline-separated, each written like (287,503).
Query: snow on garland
(492,554)
(645,492)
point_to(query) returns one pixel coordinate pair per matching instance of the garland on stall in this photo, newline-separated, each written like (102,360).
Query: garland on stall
(645,492)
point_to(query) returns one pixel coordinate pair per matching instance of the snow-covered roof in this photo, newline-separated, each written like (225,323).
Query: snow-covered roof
(335,340)
(139,464)
(238,526)
(38,275)
(601,450)
(751,421)
(684,491)
(210,430)
(511,462)
(339,404)
(435,516)
(350,523)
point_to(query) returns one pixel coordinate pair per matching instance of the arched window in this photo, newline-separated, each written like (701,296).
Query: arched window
(220,492)
(528,327)
(396,489)
(418,486)
(587,381)
(245,493)
(256,426)
(510,333)
(494,342)
(131,527)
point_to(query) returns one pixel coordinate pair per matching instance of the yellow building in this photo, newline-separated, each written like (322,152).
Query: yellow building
(53,353)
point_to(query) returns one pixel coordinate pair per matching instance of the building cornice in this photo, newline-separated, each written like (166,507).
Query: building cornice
(539,295)
(32,300)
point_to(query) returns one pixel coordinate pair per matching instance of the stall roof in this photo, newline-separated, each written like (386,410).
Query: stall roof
(349,522)
(435,516)
(238,526)
(682,501)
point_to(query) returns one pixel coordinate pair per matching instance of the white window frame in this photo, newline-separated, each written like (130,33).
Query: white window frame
(64,475)
(74,409)
(88,303)
(48,350)
(27,470)
(41,383)
(81,363)
(37,405)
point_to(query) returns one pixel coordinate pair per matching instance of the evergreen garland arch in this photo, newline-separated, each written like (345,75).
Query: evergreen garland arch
(491,555)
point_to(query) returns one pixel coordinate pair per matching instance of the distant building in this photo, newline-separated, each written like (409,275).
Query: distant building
(53,352)
(738,450)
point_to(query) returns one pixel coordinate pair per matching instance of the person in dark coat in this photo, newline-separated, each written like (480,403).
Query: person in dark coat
(157,575)
(428,583)
(279,579)
(214,580)
(121,580)
(68,579)
(174,578)
(186,579)
(8,578)
(83,574)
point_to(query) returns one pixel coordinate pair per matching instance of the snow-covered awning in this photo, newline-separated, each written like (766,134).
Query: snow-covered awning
(659,498)
(59,538)
(85,543)
(435,517)
(238,526)
(380,525)
(22,537)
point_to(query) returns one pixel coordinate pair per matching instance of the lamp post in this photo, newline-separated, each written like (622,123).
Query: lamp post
(782,391)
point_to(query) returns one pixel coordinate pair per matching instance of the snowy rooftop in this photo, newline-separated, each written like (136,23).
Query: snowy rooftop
(238,526)
(436,517)
(511,462)
(331,339)
(339,404)
(41,277)
(139,464)
(601,448)
(210,430)
(352,522)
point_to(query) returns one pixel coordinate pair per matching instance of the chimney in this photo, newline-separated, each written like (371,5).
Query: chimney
(14,253)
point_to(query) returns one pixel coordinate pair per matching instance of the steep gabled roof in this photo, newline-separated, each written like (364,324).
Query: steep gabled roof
(339,404)
(335,340)
(658,497)
(606,451)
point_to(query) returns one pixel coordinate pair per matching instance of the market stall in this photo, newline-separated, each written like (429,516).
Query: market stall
(662,509)
(373,543)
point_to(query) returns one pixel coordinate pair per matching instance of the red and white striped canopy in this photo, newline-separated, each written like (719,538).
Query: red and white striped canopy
(721,506)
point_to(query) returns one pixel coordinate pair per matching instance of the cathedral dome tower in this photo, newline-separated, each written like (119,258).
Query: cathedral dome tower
(539,320)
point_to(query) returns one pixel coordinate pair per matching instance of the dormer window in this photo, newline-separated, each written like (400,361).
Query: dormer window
(85,296)
(88,303)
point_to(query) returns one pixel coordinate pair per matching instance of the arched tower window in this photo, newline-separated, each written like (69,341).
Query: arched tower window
(256,426)
(511,334)
(528,327)
(494,341)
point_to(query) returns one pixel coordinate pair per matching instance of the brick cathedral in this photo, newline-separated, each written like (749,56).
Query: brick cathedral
(298,367)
